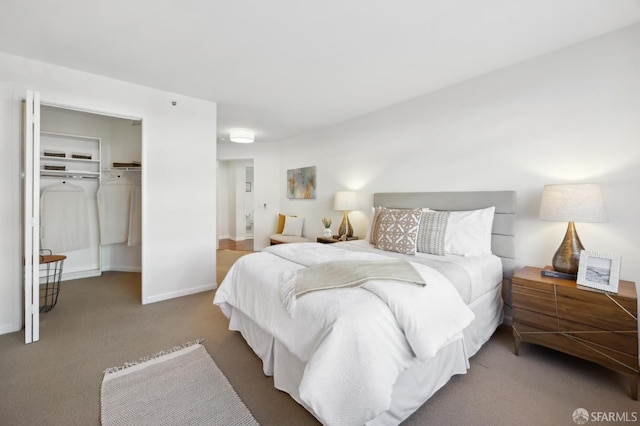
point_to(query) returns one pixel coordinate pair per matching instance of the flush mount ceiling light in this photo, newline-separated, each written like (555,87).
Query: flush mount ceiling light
(241,135)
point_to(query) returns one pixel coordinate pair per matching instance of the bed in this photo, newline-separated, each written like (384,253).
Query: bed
(375,352)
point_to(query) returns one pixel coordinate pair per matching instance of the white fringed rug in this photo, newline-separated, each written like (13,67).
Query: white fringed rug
(181,386)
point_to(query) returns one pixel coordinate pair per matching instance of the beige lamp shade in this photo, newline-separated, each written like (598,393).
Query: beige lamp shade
(345,201)
(580,202)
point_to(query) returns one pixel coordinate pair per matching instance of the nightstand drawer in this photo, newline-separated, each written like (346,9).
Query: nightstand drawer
(626,342)
(539,299)
(576,346)
(595,309)
(534,319)
(533,287)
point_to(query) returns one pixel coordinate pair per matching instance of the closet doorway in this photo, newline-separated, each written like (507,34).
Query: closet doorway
(114,245)
(89,182)
(235,200)
(115,147)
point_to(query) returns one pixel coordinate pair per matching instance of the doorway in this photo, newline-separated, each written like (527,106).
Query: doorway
(248,202)
(235,200)
(76,156)
(115,243)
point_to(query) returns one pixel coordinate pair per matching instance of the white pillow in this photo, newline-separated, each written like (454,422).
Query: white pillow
(469,232)
(293,226)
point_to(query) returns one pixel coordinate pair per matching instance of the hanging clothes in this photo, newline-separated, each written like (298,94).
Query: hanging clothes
(114,204)
(64,225)
(135,217)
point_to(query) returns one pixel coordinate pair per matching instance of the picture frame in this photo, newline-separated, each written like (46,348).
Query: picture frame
(247,187)
(301,183)
(599,270)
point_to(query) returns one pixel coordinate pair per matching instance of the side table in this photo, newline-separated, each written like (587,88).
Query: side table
(333,239)
(584,322)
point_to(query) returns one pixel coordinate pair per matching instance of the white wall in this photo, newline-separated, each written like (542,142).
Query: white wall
(179,179)
(570,116)
(267,184)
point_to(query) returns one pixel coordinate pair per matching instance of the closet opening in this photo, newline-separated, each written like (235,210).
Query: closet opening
(90,191)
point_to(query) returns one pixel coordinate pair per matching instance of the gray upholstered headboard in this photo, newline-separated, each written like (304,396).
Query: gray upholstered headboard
(503,232)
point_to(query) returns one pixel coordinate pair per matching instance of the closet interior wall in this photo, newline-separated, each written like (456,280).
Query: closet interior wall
(120,141)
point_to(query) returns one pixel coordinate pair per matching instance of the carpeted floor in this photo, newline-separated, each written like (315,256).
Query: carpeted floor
(99,322)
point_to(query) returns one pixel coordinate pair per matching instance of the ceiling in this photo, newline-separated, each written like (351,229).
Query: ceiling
(286,67)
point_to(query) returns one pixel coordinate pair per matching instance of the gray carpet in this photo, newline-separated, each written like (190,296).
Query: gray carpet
(176,387)
(99,322)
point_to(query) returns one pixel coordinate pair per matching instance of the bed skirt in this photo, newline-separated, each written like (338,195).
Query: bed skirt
(414,386)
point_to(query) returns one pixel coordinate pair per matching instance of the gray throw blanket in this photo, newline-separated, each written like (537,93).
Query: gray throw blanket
(343,273)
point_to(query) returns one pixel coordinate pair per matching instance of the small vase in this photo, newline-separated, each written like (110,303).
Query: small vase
(327,233)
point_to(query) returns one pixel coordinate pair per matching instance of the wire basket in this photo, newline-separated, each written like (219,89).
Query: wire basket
(50,277)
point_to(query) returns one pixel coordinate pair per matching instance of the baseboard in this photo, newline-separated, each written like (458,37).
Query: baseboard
(66,276)
(122,268)
(179,293)
(9,328)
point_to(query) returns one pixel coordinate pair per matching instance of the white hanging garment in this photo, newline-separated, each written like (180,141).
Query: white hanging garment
(114,200)
(64,224)
(135,217)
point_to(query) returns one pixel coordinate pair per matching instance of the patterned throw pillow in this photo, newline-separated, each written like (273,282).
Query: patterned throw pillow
(374,224)
(396,230)
(431,232)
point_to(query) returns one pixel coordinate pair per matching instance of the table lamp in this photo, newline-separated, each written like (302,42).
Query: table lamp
(580,202)
(345,201)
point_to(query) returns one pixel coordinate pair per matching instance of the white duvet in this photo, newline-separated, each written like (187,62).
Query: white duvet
(355,341)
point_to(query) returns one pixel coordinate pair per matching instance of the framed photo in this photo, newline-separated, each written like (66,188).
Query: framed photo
(599,270)
(301,183)
(248,187)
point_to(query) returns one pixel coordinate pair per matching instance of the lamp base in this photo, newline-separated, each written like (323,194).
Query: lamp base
(567,257)
(345,226)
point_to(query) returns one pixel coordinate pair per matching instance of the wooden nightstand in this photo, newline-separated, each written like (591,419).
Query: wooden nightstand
(587,323)
(327,240)
(334,239)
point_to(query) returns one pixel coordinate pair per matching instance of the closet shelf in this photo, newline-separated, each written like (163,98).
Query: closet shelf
(126,169)
(62,149)
(69,160)
(70,173)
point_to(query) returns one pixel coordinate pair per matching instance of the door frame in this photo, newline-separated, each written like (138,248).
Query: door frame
(31,215)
